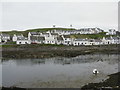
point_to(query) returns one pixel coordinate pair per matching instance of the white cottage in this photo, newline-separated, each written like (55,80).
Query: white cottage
(60,40)
(15,37)
(23,40)
(50,38)
(67,40)
(33,34)
(4,37)
(107,40)
(78,42)
(116,40)
(111,32)
(37,39)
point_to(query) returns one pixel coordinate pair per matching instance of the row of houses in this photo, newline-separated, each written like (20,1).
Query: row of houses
(54,38)
(61,37)
(78,31)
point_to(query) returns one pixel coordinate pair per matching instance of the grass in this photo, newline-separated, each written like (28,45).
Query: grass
(91,36)
(25,33)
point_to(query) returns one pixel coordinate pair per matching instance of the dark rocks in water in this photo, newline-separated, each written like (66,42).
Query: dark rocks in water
(113,83)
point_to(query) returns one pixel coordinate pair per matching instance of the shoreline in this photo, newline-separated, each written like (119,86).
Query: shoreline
(112,83)
(48,51)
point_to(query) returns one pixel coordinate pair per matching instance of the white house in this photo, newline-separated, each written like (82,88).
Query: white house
(15,37)
(78,42)
(60,40)
(5,37)
(116,40)
(37,39)
(107,40)
(23,40)
(111,32)
(67,40)
(33,34)
(50,38)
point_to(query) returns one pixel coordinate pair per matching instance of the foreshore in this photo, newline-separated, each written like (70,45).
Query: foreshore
(112,83)
(47,51)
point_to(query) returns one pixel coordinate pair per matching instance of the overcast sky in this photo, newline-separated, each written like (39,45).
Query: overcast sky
(27,15)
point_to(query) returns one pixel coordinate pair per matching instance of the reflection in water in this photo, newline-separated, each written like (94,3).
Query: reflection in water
(59,69)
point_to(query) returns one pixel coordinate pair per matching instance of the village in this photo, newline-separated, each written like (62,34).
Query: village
(62,37)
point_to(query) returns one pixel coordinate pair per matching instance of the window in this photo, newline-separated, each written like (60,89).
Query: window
(19,42)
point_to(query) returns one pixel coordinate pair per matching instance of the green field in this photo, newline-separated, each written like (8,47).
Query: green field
(89,36)
(25,33)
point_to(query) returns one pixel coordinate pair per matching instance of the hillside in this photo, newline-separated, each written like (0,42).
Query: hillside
(89,36)
(35,30)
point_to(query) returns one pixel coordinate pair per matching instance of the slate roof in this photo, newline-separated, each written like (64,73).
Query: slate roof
(37,38)
(54,33)
(22,38)
(59,38)
(5,35)
(66,36)
(33,38)
(40,38)
(80,40)
(116,38)
(34,33)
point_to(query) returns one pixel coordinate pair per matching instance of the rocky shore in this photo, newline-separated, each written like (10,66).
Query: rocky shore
(47,51)
(113,83)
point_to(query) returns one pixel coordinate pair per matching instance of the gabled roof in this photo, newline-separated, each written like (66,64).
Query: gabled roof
(54,33)
(33,38)
(80,40)
(5,35)
(45,33)
(116,38)
(19,35)
(59,38)
(34,33)
(22,38)
(40,38)
(66,36)
(108,38)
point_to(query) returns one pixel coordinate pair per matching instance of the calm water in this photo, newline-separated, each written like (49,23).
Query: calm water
(58,71)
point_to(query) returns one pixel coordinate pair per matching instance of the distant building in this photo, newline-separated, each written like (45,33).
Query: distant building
(16,37)
(23,40)
(37,39)
(60,40)
(4,37)
(67,40)
(111,32)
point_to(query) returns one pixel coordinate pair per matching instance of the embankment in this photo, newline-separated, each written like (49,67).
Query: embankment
(47,51)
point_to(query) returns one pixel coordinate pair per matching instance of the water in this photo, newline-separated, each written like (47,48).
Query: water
(58,71)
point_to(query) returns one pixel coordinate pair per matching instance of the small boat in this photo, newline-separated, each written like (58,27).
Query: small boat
(95,71)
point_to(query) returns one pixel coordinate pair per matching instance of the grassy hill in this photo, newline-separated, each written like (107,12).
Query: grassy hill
(35,30)
(89,36)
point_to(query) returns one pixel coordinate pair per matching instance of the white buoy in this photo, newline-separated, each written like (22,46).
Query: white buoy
(95,71)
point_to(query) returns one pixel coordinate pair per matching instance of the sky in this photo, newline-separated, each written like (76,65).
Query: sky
(30,15)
